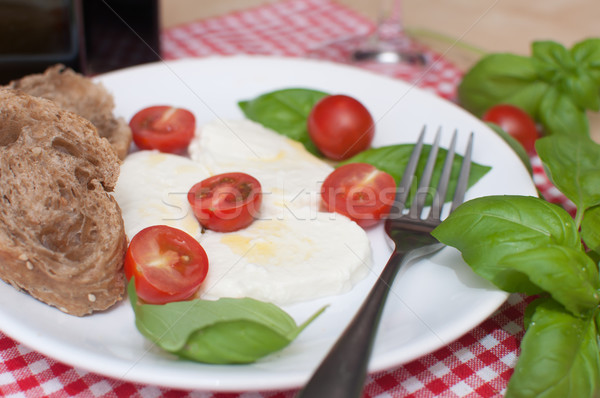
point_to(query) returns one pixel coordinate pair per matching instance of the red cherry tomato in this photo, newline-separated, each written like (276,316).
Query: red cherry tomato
(340,127)
(359,191)
(164,128)
(167,263)
(516,122)
(226,202)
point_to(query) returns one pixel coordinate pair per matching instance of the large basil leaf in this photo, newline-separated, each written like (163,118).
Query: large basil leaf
(227,330)
(285,111)
(486,230)
(495,78)
(559,356)
(568,274)
(393,160)
(590,229)
(572,164)
(560,115)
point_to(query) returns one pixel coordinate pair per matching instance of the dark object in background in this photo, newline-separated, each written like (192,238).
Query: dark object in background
(120,33)
(35,34)
(90,36)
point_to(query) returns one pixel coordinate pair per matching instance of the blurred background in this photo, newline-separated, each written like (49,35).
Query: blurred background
(89,35)
(34,33)
(493,25)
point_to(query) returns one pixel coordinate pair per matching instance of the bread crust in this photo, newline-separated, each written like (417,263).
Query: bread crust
(62,238)
(77,93)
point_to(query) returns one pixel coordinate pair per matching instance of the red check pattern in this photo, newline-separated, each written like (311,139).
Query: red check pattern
(478,365)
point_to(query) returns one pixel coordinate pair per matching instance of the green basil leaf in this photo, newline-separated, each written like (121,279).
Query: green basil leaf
(582,89)
(586,54)
(567,274)
(551,58)
(560,115)
(590,229)
(530,311)
(488,229)
(286,112)
(558,66)
(393,160)
(571,163)
(559,356)
(514,144)
(495,78)
(232,342)
(227,330)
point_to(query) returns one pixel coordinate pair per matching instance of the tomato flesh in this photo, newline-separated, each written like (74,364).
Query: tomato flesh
(340,127)
(359,191)
(516,122)
(164,128)
(167,263)
(226,202)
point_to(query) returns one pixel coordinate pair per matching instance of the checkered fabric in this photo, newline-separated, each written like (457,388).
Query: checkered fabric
(478,364)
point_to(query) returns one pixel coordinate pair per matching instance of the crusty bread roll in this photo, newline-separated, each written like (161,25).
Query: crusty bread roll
(61,237)
(79,94)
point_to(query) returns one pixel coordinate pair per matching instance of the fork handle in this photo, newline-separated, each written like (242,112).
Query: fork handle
(342,372)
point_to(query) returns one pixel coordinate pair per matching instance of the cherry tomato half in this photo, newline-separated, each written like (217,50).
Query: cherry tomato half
(340,127)
(164,128)
(516,122)
(360,191)
(226,202)
(167,263)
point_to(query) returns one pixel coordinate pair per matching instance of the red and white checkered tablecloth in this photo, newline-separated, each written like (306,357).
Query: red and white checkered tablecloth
(478,364)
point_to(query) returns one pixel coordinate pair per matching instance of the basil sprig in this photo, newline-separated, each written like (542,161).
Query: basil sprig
(555,85)
(525,244)
(223,331)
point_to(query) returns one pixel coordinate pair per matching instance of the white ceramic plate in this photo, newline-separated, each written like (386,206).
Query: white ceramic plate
(433,302)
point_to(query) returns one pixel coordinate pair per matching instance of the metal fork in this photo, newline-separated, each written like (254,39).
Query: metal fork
(342,373)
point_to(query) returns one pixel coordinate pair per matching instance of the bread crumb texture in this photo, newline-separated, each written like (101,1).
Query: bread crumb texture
(62,238)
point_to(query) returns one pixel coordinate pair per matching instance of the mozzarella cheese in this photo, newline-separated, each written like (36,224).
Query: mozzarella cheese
(293,252)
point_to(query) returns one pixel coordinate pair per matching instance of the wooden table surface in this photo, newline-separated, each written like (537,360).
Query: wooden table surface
(489,25)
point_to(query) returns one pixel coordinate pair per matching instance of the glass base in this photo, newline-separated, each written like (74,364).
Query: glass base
(389,56)
(371,49)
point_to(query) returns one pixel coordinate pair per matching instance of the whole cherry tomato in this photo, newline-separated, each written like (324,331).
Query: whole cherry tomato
(226,202)
(340,126)
(359,191)
(167,263)
(516,122)
(164,128)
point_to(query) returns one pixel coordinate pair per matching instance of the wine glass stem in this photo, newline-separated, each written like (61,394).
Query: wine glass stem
(390,19)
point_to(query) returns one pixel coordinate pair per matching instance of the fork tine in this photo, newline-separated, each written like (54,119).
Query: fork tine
(440,196)
(409,172)
(463,178)
(424,185)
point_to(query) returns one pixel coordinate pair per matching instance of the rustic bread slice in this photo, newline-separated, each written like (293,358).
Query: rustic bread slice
(61,233)
(79,94)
